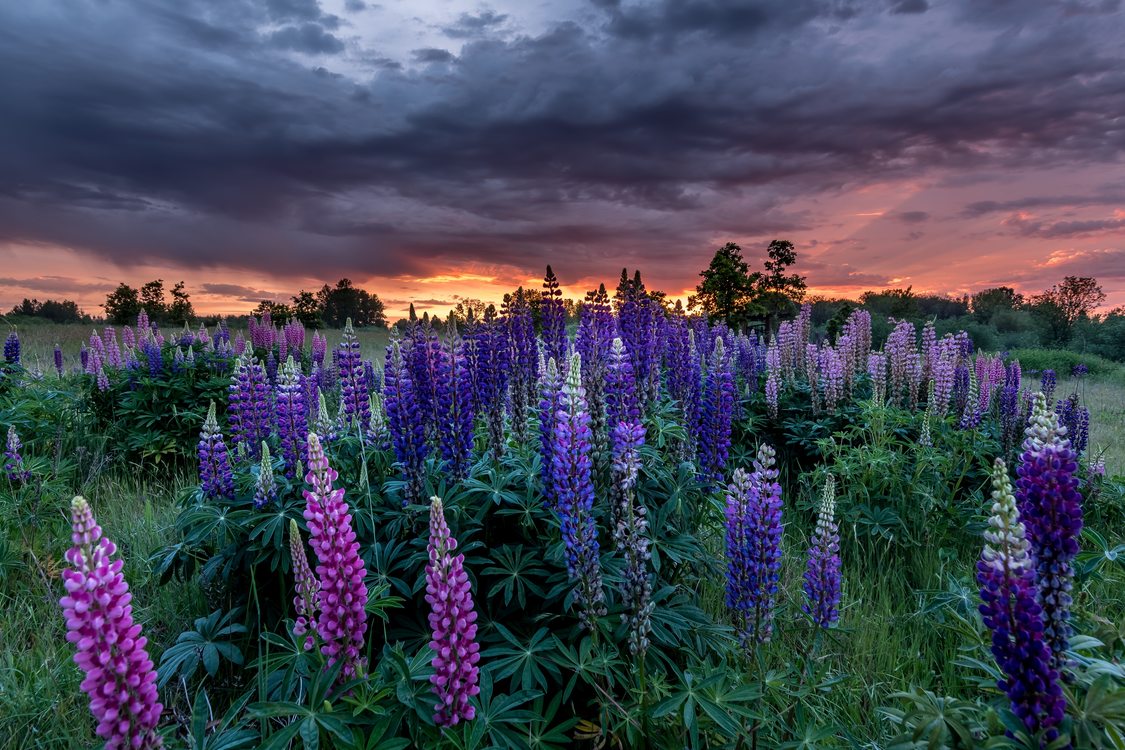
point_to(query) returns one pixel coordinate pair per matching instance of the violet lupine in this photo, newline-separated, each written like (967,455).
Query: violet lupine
(1010,608)
(215,476)
(573,487)
(831,371)
(307,588)
(638,319)
(593,342)
(630,532)
(822,574)
(677,352)
(1051,509)
(553,315)
(900,349)
(753,540)
(550,401)
(942,369)
(292,417)
(1047,385)
(877,370)
(12,349)
(455,410)
(424,357)
(58,360)
(248,407)
(120,678)
(407,428)
(1076,419)
(354,391)
(492,352)
(520,330)
(342,599)
(773,379)
(13,460)
(715,417)
(265,488)
(453,625)
(621,403)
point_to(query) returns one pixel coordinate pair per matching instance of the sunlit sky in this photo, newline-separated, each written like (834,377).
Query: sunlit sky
(437,150)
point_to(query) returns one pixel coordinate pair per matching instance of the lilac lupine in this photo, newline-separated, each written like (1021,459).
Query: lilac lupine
(1047,385)
(1010,608)
(292,417)
(453,393)
(111,348)
(110,650)
(942,370)
(307,588)
(319,348)
(715,417)
(621,404)
(12,349)
(128,338)
(638,319)
(900,349)
(553,316)
(492,377)
(354,391)
(265,488)
(630,532)
(1051,509)
(342,599)
(822,574)
(773,379)
(877,371)
(831,370)
(404,420)
(453,626)
(215,477)
(248,408)
(58,360)
(753,541)
(573,487)
(1076,419)
(100,376)
(522,353)
(550,401)
(593,342)
(13,460)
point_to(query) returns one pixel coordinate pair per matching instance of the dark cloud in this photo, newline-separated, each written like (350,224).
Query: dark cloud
(1071,228)
(910,6)
(912,217)
(236,290)
(473,26)
(355,6)
(310,38)
(56,284)
(432,55)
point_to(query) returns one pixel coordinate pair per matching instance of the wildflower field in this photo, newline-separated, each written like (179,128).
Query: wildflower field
(641,530)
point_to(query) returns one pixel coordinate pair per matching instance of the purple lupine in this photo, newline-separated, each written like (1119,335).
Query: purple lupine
(621,403)
(153,356)
(12,349)
(58,360)
(492,373)
(354,391)
(1010,608)
(249,407)
(593,342)
(453,625)
(553,315)
(630,532)
(1047,385)
(342,599)
(773,380)
(319,348)
(1076,419)
(677,354)
(455,410)
(307,588)
(638,318)
(1051,509)
(120,678)
(292,417)
(900,349)
(753,539)
(830,366)
(404,420)
(550,401)
(215,476)
(573,487)
(13,460)
(520,330)
(715,417)
(423,355)
(265,488)
(942,371)
(1079,371)
(822,575)
(877,371)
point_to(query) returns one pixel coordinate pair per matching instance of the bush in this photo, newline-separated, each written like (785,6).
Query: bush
(1063,361)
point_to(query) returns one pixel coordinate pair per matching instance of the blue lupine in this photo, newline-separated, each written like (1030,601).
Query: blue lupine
(1051,509)
(573,485)
(423,358)
(292,417)
(454,406)
(523,356)
(153,355)
(553,315)
(404,420)
(1011,610)
(593,342)
(715,416)
(1047,385)
(58,360)
(753,541)
(638,316)
(822,575)
(492,376)
(215,476)
(354,391)
(550,401)
(249,409)
(12,349)
(621,403)
(1076,419)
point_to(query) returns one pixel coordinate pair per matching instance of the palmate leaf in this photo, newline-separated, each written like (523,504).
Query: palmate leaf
(209,644)
(515,566)
(226,733)
(524,662)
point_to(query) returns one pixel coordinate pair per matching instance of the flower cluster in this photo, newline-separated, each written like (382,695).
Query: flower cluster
(265,489)
(354,392)
(342,599)
(12,349)
(215,476)
(292,416)
(715,416)
(307,586)
(404,420)
(822,575)
(630,532)
(120,678)
(452,623)
(454,394)
(248,407)
(13,460)
(553,319)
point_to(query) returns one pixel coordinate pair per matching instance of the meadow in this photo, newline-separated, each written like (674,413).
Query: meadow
(652,531)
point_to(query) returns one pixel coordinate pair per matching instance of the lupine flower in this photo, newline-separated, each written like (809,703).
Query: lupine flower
(453,624)
(621,404)
(249,409)
(215,476)
(877,370)
(342,599)
(753,514)
(58,360)
(522,351)
(120,678)
(377,433)
(354,392)
(12,349)
(307,586)
(424,357)
(822,576)
(265,490)
(553,316)
(715,417)
(638,319)
(13,461)
(1047,385)
(594,342)
(573,488)
(630,534)
(407,428)
(324,425)
(292,416)
(455,411)
(1079,370)
(550,400)
(491,376)
(1076,419)
(1010,608)
(1051,509)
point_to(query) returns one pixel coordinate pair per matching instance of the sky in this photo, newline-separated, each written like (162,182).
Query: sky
(439,149)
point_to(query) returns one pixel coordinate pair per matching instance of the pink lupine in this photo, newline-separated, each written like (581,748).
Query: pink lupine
(120,678)
(453,622)
(342,624)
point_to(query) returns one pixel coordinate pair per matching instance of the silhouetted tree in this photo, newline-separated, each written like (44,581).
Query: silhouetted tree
(346,300)
(987,303)
(728,288)
(122,305)
(58,311)
(306,309)
(1063,305)
(181,310)
(777,292)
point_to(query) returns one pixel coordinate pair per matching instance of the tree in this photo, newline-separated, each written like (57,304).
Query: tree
(122,305)
(152,300)
(892,303)
(279,311)
(727,290)
(1063,305)
(469,309)
(180,311)
(778,293)
(986,304)
(57,311)
(346,300)
(306,309)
